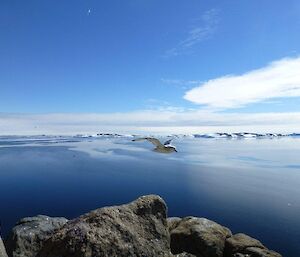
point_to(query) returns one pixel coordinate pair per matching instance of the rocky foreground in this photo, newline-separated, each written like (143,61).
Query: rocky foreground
(140,228)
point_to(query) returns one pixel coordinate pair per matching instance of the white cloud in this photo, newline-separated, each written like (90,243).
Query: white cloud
(278,79)
(203,30)
(144,122)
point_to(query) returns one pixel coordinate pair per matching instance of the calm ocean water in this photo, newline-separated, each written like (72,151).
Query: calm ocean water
(249,185)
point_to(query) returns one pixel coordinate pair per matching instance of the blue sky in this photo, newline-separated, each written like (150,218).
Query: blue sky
(149,57)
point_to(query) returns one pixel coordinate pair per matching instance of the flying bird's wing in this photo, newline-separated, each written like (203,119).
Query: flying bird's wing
(168,142)
(139,139)
(153,140)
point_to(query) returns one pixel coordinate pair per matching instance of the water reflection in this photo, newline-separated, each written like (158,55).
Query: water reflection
(251,186)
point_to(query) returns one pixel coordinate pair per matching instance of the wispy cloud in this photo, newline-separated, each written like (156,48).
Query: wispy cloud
(184,84)
(142,122)
(279,79)
(158,105)
(204,28)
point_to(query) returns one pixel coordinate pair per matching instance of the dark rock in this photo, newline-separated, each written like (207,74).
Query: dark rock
(240,245)
(239,255)
(173,222)
(198,236)
(2,249)
(239,242)
(259,252)
(184,255)
(135,229)
(29,234)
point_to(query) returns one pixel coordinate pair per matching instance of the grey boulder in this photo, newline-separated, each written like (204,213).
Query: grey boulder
(29,234)
(173,222)
(135,229)
(2,249)
(259,252)
(198,236)
(184,255)
(240,245)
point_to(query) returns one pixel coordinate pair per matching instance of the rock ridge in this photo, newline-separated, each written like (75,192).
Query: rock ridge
(138,229)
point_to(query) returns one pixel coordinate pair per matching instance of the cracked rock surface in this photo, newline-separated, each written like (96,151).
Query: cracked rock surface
(137,229)
(29,235)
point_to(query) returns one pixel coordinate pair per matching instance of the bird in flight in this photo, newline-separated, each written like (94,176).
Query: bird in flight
(159,147)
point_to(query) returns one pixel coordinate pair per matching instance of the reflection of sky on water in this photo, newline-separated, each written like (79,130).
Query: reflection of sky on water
(248,185)
(281,152)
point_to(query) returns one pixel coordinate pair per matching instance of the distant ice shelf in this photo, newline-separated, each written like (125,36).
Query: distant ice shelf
(240,135)
(58,138)
(245,135)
